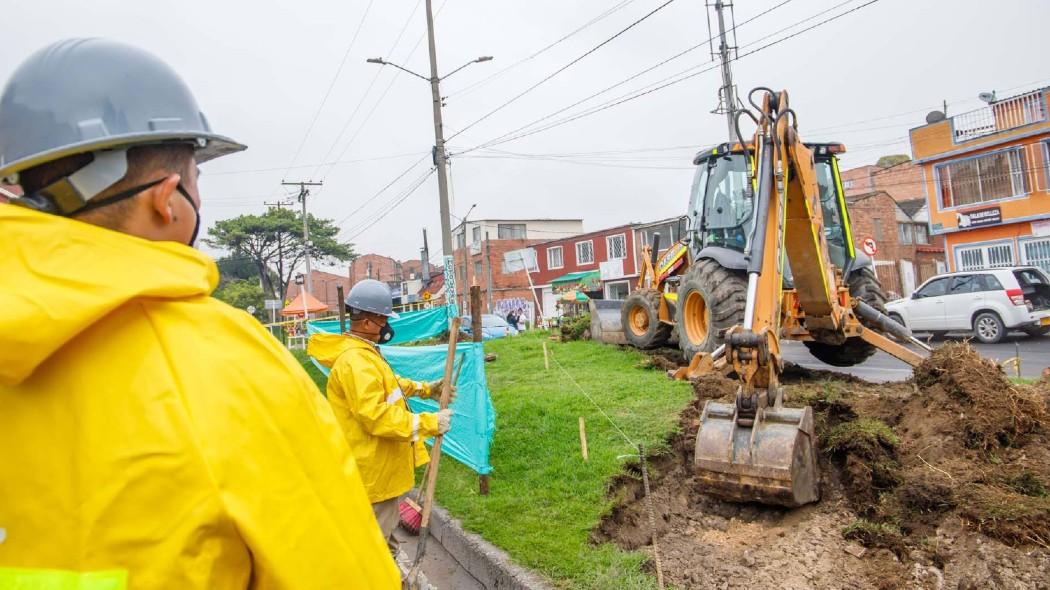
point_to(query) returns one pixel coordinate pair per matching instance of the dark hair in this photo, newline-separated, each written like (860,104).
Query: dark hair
(144,164)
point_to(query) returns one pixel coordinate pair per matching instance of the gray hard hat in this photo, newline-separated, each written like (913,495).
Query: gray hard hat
(94,95)
(372,296)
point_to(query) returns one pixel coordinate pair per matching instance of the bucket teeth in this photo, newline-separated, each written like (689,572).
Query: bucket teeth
(773,461)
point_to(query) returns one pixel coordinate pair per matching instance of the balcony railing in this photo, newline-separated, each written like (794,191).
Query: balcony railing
(1003,115)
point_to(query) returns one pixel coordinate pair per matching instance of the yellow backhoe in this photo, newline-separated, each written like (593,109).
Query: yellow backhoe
(794,287)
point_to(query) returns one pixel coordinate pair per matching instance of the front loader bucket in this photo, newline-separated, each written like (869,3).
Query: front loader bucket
(773,461)
(606,325)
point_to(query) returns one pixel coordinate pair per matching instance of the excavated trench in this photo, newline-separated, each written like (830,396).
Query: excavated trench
(938,482)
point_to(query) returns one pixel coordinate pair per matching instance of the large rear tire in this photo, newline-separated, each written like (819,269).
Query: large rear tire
(711,298)
(640,318)
(854,351)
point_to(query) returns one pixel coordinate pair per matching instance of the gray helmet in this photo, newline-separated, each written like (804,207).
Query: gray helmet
(94,95)
(372,296)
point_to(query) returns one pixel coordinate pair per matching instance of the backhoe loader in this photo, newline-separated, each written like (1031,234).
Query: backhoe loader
(796,287)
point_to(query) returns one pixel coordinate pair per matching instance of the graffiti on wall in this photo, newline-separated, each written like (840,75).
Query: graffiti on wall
(523,308)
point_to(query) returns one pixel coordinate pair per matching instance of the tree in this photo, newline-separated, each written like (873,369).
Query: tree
(887,161)
(273,241)
(242,295)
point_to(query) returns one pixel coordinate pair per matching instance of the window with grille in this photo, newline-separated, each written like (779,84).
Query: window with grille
(477,268)
(477,234)
(616,246)
(555,257)
(461,239)
(999,175)
(922,234)
(510,231)
(585,252)
(1036,253)
(978,257)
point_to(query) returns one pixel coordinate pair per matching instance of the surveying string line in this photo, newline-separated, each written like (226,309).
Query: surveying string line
(535,54)
(562,69)
(331,85)
(591,399)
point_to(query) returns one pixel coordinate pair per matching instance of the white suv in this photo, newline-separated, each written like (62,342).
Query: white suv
(989,302)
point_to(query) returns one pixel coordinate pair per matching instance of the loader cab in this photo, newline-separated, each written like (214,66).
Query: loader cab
(722,212)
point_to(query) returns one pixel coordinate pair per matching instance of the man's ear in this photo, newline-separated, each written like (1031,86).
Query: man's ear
(162,197)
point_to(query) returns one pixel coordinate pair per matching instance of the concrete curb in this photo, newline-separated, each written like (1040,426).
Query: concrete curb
(488,564)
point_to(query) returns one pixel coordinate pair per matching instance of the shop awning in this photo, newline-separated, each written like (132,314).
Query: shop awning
(303,304)
(589,279)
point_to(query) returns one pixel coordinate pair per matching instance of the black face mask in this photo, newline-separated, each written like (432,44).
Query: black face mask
(131,192)
(386,334)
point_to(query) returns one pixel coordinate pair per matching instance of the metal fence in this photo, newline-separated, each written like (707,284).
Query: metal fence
(1000,116)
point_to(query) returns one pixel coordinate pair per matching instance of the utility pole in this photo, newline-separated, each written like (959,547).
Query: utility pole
(440,157)
(424,254)
(488,259)
(727,100)
(303,192)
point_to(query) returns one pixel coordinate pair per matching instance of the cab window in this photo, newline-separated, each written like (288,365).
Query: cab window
(964,284)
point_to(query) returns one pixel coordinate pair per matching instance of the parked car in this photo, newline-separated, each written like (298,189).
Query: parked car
(492,326)
(988,302)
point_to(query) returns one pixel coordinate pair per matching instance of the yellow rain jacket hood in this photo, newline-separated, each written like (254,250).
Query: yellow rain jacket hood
(154,437)
(369,403)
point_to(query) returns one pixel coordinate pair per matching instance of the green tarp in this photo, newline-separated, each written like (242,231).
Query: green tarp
(410,327)
(588,279)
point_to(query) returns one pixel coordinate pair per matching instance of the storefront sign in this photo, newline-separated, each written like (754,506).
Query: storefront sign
(979,217)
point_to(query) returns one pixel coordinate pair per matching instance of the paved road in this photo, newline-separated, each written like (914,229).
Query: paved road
(1035,356)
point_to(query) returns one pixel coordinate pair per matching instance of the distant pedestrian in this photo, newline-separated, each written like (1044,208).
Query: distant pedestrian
(512,319)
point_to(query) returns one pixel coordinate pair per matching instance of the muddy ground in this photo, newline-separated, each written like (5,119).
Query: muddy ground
(939,482)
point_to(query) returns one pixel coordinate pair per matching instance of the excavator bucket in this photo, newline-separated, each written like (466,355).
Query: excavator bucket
(772,461)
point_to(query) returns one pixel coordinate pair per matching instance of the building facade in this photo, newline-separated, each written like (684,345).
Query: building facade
(907,255)
(902,182)
(488,252)
(599,263)
(325,288)
(986,179)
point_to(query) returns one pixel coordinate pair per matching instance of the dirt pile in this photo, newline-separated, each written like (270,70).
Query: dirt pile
(940,482)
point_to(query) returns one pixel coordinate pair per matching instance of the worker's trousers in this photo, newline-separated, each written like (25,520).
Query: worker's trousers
(387,516)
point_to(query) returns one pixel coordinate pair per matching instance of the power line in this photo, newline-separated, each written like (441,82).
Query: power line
(333,163)
(657,87)
(382,190)
(539,52)
(331,85)
(393,205)
(563,68)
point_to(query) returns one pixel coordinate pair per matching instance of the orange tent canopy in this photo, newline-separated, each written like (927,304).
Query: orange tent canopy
(304,304)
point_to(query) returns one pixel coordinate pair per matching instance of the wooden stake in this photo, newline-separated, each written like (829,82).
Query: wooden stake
(546,359)
(342,309)
(583,439)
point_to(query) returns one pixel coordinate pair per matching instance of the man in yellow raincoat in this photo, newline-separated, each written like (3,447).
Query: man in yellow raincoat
(369,403)
(150,435)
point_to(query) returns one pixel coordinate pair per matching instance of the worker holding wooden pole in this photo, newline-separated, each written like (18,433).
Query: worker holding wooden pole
(369,401)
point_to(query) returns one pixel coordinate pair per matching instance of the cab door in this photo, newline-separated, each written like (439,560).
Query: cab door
(926,309)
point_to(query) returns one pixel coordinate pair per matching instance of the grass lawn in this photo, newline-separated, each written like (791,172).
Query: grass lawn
(544,499)
(311,370)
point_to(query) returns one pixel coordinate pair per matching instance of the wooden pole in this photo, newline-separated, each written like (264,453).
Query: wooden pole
(546,359)
(476,336)
(583,439)
(342,309)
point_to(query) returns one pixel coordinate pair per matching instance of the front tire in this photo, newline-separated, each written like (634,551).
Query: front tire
(711,299)
(988,328)
(640,318)
(863,284)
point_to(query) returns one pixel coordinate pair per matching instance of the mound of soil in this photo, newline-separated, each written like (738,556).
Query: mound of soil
(939,482)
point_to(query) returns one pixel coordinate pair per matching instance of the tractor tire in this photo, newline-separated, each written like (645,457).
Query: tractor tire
(711,299)
(640,318)
(854,351)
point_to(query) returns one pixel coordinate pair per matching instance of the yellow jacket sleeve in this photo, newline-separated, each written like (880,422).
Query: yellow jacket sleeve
(413,388)
(379,412)
(290,484)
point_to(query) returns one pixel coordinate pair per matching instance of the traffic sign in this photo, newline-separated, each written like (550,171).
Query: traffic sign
(869,246)
(273,304)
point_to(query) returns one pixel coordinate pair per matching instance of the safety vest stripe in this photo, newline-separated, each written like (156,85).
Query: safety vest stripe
(393,397)
(415,427)
(40,579)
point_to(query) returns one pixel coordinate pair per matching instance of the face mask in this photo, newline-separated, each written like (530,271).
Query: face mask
(386,334)
(131,192)
(196,214)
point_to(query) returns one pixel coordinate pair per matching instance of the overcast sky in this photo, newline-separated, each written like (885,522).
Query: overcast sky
(261,70)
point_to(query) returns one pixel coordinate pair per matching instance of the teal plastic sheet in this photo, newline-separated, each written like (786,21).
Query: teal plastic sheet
(474,419)
(410,327)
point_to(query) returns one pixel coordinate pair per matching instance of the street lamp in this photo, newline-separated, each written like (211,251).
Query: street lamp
(383,62)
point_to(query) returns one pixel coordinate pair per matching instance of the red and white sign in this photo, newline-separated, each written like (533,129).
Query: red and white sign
(869,246)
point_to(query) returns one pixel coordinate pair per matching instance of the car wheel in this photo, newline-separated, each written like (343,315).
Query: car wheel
(988,328)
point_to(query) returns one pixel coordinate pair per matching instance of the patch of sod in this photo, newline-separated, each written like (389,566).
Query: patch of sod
(544,499)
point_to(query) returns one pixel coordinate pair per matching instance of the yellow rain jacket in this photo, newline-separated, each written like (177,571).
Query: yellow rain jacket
(369,403)
(154,437)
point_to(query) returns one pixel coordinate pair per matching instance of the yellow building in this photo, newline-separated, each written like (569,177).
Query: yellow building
(986,179)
